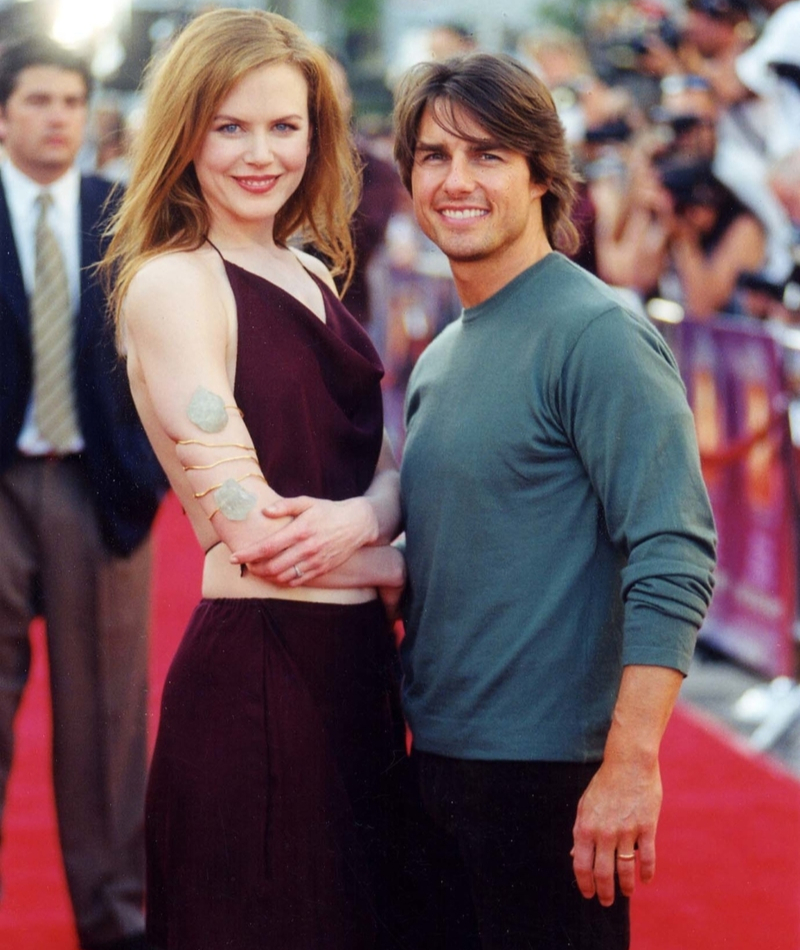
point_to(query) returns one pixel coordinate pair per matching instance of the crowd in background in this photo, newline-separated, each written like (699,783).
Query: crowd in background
(686,128)
(685,125)
(684,119)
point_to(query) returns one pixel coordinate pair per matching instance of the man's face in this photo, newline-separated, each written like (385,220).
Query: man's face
(43,122)
(473,198)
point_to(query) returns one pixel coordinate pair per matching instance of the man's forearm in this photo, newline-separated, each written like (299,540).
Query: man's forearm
(373,566)
(619,810)
(384,497)
(647,696)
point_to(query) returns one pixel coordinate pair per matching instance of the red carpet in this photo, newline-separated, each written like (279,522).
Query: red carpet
(35,913)
(729,841)
(728,849)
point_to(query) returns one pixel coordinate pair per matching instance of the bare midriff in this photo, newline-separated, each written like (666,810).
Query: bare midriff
(223,579)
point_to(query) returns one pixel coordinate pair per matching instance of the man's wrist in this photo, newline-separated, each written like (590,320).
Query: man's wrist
(627,749)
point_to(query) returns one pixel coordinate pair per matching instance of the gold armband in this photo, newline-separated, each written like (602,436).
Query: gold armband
(202,494)
(216,445)
(230,458)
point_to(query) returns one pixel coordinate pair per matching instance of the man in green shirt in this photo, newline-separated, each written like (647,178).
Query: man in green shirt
(560,542)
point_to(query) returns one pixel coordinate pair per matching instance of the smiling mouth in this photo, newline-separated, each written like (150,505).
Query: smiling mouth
(463,214)
(257,184)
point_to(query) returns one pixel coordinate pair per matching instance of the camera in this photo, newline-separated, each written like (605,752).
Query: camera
(788,71)
(690,181)
(621,51)
(786,292)
(609,133)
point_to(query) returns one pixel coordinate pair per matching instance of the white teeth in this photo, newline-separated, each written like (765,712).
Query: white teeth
(463,213)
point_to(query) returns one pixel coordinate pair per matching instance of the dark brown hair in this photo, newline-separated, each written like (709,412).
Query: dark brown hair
(37,51)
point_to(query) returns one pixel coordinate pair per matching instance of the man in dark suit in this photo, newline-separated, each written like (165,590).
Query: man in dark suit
(79,489)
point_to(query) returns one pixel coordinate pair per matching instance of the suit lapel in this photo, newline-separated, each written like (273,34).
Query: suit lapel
(12,286)
(90,252)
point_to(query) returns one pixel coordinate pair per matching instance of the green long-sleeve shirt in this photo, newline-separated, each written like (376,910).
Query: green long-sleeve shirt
(557,523)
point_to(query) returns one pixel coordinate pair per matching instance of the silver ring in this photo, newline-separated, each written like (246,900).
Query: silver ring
(297,571)
(626,857)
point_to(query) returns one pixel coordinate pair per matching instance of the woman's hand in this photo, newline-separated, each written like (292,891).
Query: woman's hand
(321,536)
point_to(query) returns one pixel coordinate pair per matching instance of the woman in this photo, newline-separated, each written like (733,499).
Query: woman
(268,800)
(673,229)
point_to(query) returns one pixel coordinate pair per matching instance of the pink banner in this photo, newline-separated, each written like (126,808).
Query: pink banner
(734,376)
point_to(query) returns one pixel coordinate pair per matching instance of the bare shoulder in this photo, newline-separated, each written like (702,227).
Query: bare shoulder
(172,274)
(315,266)
(175,283)
(745,238)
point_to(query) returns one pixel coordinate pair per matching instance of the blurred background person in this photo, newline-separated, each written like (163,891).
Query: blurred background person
(380,198)
(438,41)
(112,137)
(673,229)
(79,488)
(779,300)
(755,83)
(592,112)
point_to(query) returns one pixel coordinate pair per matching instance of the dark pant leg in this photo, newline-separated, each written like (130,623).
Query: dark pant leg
(18,568)
(437,884)
(513,823)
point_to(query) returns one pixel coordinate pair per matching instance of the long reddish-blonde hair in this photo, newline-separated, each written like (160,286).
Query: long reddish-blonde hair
(164,209)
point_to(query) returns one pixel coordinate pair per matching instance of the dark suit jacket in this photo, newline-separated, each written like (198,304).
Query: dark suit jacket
(126,480)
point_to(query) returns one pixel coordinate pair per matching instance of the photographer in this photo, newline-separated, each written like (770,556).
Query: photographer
(712,239)
(675,230)
(778,300)
(705,41)
(756,87)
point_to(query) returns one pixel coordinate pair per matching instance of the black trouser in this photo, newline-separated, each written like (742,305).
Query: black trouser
(511,824)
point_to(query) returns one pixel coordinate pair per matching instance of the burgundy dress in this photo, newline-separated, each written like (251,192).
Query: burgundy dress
(270,796)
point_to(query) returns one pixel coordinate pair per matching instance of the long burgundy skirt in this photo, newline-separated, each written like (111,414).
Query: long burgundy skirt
(269,807)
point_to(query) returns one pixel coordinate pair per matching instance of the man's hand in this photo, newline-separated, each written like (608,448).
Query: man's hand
(321,536)
(617,814)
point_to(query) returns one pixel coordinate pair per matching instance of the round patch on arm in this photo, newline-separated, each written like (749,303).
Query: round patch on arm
(207,411)
(233,501)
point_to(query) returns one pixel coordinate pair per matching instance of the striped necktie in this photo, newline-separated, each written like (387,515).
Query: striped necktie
(52,332)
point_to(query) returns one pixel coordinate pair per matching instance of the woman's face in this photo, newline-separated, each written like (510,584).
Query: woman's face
(254,154)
